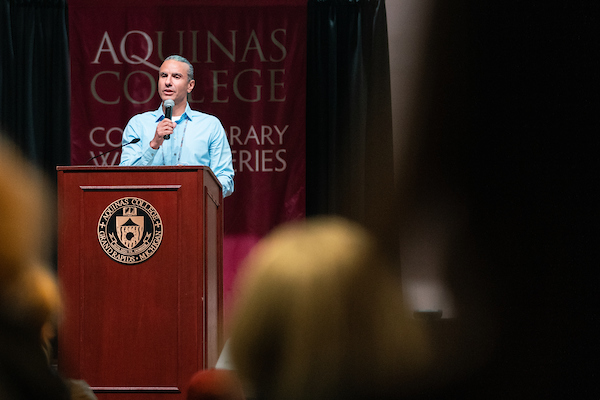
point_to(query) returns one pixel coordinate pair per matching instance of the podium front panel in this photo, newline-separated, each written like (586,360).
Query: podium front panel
(141,319)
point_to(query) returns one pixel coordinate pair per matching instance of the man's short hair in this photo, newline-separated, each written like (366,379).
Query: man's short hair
(183,60)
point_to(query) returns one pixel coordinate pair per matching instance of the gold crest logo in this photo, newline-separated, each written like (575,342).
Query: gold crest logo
(130,230)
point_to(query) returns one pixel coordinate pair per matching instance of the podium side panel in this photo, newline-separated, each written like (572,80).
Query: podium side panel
(213,271)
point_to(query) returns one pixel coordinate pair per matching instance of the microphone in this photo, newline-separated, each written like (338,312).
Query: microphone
(121,146)
(168,113)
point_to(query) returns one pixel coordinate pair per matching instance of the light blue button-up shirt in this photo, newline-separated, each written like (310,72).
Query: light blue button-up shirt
(198,139)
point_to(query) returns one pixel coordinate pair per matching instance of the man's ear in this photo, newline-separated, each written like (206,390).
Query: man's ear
(191,85)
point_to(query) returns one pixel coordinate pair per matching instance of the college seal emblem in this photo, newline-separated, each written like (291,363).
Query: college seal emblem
(130,230)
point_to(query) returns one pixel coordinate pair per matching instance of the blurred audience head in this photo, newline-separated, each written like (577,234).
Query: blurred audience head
(29,296)
(320,316)
(30,301)
(215,384)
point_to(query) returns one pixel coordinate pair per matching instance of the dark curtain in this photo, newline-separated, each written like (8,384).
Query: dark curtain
(349,122)
(34,80)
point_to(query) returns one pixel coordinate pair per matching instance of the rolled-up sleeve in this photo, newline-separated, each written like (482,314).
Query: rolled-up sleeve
(221,162)
(139,153)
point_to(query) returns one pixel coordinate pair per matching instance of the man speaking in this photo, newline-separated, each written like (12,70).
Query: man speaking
(174,134)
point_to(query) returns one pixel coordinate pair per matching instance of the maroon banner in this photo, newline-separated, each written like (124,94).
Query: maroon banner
(249,59)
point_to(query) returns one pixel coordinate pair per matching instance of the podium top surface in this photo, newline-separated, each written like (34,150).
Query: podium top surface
(138,169)
(88,168)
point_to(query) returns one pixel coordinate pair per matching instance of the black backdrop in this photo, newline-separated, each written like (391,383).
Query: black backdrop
(349,139)
(34,80)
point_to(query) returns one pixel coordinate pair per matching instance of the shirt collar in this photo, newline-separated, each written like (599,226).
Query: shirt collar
(160,115)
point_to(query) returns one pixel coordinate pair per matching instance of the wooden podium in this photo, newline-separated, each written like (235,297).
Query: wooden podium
(140,257)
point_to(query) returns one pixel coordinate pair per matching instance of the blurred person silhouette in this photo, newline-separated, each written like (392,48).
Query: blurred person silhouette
(502,146)
(215,384)
(30,300)
(320,316)
(29,296)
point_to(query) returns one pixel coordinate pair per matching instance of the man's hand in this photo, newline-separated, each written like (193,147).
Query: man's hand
(164,127)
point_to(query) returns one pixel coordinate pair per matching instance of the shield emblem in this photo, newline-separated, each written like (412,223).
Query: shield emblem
(130,230)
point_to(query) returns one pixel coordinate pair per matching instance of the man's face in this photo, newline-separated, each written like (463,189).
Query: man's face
(173,81)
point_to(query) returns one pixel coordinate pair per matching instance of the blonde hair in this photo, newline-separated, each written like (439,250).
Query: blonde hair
(320,314)
(29,293)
